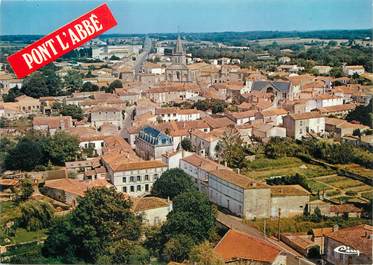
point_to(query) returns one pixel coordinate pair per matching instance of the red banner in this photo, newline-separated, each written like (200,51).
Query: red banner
(62,41)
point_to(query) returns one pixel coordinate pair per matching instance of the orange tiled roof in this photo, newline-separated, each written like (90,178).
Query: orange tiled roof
(345,208)
(147,203)
(288,190)
(74,186)
(238,179)
(240,246)
(357,237)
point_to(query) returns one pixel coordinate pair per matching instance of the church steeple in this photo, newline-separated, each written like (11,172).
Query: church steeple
(178,56)
(179,46)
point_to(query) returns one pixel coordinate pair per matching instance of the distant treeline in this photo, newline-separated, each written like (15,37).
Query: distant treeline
(228,37)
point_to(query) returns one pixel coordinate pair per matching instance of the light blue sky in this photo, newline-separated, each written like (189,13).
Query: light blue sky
(149,16)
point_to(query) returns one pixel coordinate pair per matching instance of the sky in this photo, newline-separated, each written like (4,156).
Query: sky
(159,16)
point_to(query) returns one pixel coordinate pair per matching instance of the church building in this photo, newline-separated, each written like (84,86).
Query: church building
(178,70)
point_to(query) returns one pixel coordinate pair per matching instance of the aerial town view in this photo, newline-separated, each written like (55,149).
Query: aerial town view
(193,132)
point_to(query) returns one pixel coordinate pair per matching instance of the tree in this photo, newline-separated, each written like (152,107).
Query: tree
(201,105)
(113,85)
(12,94)
(192,215)
(217,107)
(114,58)
(279,147)
(61,148)
(74,111)
(230,149)
(102,218)
(186,144)
(35,85)
(336,72)
(52,80)
(178,248)
(73,81)
(26,155)
(363,114)
(203,254)
(35,215)
(24,190)
(172,183)
(88,86)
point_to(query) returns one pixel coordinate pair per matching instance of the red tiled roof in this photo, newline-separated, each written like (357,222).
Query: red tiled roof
(240,246)
(357,237)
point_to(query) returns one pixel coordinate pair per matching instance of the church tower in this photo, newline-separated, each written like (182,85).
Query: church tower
(178,56)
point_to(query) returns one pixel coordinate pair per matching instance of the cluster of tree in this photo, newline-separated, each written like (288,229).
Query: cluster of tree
(102,229)
(280,147)
(355,55)
(186,144)
(336,153)
(74,111)
(362,114)
(192,221)
(38,151)
(113,85)
(216,106)
(289,180)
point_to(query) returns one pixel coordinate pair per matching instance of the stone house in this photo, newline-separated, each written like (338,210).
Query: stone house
(241,117)
(357,238)
(154,210)
(100,115)
(175,114)
(52,124)
(151,143)
(204,143)
(302,124)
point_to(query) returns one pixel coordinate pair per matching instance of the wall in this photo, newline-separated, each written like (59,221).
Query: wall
(290,205)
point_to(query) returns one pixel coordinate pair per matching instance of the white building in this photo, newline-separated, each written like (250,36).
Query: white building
(175,114)
(302,124)
(198,168)
(239,194)
(154,210)
(353,69)
(135,178)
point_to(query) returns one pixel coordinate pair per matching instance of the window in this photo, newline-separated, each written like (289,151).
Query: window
(132,179)
(146,187)
(138,178)
(155,176)
(124,189)
(132,188)
(124,179)
(138,187)
(146,177)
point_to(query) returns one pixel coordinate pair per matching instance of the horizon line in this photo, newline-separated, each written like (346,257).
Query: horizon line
(207,32)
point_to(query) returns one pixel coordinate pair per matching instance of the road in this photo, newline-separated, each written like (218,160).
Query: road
(142,56)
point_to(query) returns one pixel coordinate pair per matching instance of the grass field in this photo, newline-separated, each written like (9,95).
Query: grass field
(263,168)
(9,211)
(319,178)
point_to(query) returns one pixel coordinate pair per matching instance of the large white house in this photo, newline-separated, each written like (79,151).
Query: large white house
(302,124)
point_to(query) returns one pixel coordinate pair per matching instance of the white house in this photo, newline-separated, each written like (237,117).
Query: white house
(154,210)
(353,69)
(302,124)
(175,114)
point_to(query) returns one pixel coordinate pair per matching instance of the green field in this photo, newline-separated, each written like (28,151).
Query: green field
(320,179)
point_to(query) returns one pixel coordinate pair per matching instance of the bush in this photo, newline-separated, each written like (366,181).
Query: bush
(35,215)
(314,252)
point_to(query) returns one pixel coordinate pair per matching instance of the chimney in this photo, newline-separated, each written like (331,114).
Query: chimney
(335,228)
(225,164)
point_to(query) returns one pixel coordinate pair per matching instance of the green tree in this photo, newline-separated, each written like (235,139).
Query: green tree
(279,147)
(26,155)
(177,248)
(73,81)
(172,183)
(101,218)
(362,114)
(336,72)
(74,111)
(52,80)
(24,190)
(113,85)
(88,86)
(217,107)
(201,105)
(61,148)
(230,149)
(204,254)
(35,85)
(186,144)
(12,94)
(35,215)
